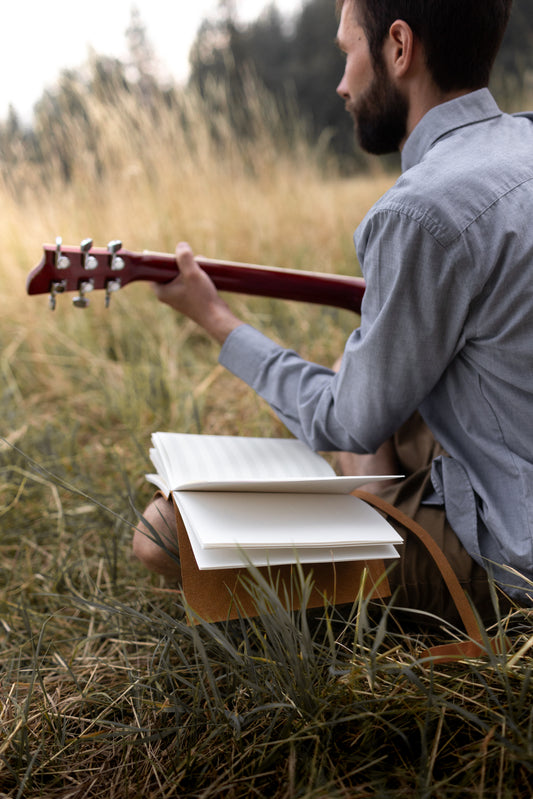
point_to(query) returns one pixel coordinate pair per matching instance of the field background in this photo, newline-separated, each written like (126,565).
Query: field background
(104,690)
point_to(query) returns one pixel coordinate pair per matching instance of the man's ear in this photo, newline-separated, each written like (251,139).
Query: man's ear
(399,48)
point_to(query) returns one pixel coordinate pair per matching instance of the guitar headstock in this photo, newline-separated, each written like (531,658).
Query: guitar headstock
(81,269)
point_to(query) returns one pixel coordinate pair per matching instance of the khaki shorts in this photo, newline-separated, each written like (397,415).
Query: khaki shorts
(415,580)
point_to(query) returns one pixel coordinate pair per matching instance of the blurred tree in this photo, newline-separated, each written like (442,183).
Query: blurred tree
(512,80)
(142,67)
(56,115)
(11,133)
(293,57)
(296,59)
(316,69)
(63,125)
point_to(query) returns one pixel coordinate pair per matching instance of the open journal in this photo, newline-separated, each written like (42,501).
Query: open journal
(266,502)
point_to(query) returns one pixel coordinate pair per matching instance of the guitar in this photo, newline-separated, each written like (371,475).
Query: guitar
(86,268)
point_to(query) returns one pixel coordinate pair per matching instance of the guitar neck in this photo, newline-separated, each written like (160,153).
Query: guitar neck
(340,291)
(71,269)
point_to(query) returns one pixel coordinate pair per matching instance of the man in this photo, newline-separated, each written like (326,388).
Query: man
(447,317)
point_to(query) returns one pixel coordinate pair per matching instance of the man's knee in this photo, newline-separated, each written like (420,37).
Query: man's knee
(155,541)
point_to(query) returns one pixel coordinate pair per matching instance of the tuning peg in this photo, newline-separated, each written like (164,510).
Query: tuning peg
(81,301)
(62,262)
(87,261)
(116,263)
(111,286)
(57,287)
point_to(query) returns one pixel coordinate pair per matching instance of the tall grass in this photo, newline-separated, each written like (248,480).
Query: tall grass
(105,689)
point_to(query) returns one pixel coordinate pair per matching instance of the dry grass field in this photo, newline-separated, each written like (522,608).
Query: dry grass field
(104,689)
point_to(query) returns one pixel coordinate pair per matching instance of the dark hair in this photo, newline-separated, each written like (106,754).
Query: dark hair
(460,37)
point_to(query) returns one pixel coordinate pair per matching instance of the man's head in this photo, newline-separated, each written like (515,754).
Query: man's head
(458,40)
(461,38)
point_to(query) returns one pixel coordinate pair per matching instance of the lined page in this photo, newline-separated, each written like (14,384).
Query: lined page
(184,459)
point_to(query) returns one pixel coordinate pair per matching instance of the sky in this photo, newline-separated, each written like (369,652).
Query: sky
(39,38)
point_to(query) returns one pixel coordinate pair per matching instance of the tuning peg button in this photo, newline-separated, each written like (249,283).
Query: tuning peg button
(111,286)
(81,301)
(57,287)
(88,261)
(117,263)
(62,262)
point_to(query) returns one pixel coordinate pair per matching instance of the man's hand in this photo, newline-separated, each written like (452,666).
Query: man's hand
(194,294)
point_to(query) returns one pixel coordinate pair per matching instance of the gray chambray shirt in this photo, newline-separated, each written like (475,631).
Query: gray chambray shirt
(446,328)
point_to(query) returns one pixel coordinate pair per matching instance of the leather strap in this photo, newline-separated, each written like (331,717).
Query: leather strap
(474,647)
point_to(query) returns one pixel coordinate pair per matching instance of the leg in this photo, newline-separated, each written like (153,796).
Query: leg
(155,540)
(415,579)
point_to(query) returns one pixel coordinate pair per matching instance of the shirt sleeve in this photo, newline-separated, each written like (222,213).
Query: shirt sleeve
(412,324)
(300,392)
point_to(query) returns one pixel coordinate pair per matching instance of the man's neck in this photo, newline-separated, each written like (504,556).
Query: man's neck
(422,99)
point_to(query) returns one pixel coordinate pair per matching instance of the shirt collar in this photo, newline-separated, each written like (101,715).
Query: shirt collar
(443,119)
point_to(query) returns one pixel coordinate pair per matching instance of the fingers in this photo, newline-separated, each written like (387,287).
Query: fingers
(186,267)
(191,290)
(194,294)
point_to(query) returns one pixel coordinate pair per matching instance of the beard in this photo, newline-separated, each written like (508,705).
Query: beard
(380,116)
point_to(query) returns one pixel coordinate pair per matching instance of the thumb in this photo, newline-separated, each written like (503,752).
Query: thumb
(185,258)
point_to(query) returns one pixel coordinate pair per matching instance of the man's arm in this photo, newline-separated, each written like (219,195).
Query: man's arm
(260,362)
(193,294)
